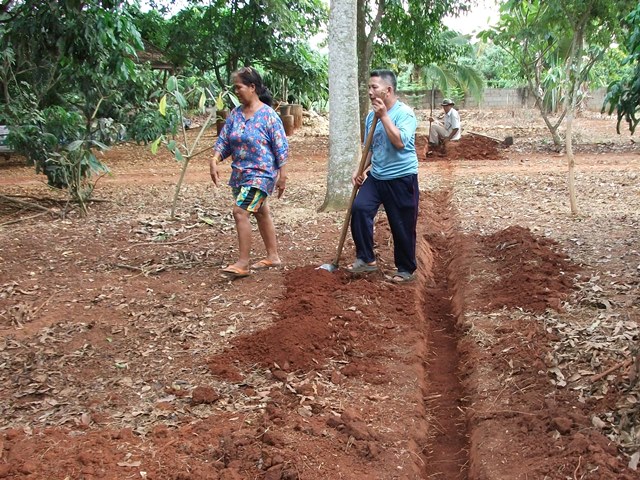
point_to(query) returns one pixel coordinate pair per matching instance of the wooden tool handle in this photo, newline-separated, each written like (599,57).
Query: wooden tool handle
(354,191)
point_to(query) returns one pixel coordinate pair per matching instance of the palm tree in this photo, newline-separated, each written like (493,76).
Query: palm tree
(452,76)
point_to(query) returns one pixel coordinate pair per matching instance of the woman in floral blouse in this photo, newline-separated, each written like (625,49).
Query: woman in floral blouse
(254,137)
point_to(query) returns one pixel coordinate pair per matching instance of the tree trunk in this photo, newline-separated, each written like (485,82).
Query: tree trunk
(363,65)
(5,83)
(365,53)
(553,129)
(344,131)
(571,164)
(574,66)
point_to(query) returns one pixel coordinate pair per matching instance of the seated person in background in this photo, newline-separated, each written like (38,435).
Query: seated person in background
(450,131)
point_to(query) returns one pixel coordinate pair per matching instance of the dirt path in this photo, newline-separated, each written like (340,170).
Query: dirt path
(125,354)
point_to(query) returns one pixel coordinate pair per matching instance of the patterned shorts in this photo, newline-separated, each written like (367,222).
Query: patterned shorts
(249,198)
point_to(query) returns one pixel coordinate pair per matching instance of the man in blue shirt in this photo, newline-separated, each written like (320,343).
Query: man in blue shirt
(392,180)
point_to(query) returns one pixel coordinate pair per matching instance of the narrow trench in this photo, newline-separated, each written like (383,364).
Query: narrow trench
(446,454)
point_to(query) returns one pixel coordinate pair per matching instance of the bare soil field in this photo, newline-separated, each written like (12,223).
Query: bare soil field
(515,355)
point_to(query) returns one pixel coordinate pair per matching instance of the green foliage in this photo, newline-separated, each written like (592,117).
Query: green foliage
(451,77)
(498,69)
(53,140)
(65,126)
(521,35)
(153,27)
(148,124)
(66,64)
(623,96)
(183,150)
(158,117)
(454,77)
(132,94)
(222,36)
(611,67)
(555,44)
(35,143)
(412,31)
(174,102)
(72,168)
(41,134)
(64,47)
(303,76)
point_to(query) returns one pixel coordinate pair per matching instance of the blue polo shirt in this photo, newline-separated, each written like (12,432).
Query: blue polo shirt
(388,162)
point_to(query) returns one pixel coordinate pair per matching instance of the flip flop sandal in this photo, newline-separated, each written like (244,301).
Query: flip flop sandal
(235,272)
(264,264)
(360,266)
(402,277)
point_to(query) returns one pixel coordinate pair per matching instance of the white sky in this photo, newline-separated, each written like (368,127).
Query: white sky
(480,17)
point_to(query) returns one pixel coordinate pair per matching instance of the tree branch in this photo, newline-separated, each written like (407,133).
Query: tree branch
(375,26)
(34,206)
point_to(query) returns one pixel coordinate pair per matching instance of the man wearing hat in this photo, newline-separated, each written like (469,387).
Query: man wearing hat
(450,131)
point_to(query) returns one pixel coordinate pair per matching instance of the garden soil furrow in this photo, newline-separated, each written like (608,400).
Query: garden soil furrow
(443,278)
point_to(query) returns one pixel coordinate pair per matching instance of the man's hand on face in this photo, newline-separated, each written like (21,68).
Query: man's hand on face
(379,107)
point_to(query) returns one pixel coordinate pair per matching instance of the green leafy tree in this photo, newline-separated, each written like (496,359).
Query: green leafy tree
(302,75)
(623,95)
(409,32)
(213,39)
(222,36)
(499,70)
(69,57)
(520,33)
(556,44)
(612,67)
(452,77)
(452,74)
(153,27)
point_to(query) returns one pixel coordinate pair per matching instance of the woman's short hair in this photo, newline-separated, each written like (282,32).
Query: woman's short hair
(250,76)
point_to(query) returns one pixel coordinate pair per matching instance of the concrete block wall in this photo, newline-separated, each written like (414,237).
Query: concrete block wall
(595,99)
(493,99)
(501,99)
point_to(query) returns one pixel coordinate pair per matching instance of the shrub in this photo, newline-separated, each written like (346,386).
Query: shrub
(148,124)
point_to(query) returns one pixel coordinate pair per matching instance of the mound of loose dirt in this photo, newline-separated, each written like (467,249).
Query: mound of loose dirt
(532,274)
(469,147)
(311,324)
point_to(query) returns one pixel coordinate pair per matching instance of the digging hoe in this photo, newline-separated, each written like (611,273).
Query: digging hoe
(331,267)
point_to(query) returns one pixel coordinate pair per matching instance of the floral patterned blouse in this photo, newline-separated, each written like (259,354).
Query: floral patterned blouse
(258,147)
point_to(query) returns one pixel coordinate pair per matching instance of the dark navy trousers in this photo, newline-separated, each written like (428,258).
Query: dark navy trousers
(400,200)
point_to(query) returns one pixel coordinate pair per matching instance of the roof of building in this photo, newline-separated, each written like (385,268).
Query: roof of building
(154,56)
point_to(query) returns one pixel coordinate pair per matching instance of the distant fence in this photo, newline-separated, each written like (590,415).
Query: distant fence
(494,99)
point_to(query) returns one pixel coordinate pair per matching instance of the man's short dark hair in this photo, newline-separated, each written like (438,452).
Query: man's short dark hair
(387,75)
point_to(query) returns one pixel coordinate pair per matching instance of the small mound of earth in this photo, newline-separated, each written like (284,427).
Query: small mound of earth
(307,325)
(532,274)
(469,147)
(307,329)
